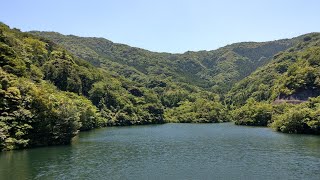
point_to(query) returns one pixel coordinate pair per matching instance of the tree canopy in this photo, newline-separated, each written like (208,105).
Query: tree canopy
(53,86)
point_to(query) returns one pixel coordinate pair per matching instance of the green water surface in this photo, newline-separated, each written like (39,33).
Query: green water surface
(171,151)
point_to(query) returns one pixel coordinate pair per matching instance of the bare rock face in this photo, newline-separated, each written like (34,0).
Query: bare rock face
(298,97)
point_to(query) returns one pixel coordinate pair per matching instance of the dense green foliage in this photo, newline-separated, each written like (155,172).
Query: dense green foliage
(35,114)
(215,70)
(302,118)
(53,86)
(292,76)
(197,109)
(253,113)
(175,78)
(200,111)
(290,72)
(46,92)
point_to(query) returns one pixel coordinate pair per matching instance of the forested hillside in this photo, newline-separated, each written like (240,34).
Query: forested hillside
(286,73)
(215,70)
(52,86)
(48,95)
(255,100)
(283,94)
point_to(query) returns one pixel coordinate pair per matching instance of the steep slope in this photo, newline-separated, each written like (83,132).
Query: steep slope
(284,94)
(47,95)
(217,70)
(285,75)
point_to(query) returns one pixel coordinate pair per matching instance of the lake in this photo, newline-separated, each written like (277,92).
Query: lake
(171,151)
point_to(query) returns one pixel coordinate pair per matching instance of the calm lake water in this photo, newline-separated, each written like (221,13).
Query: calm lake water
(171,151)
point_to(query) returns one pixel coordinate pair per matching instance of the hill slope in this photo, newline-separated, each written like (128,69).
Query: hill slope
(47,95)
(217,70)
(285,75)
(252,99)
(284,94)
(51,89)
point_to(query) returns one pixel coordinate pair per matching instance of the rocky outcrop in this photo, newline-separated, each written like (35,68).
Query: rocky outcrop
(298,97)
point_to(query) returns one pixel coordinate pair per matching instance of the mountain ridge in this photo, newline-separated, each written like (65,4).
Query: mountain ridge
(215,69)
(164,52)
(53,86)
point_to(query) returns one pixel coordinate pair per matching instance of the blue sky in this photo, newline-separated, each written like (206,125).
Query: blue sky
(167,25)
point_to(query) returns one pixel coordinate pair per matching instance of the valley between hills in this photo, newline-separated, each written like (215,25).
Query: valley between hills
(52,86)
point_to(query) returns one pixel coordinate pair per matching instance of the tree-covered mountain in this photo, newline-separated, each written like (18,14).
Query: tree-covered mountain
(285,74)
(285,93)
(47,94)
(215,70)
(52,86)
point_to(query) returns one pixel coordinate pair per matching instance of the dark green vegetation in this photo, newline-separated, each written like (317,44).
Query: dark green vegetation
(289,73)
(292,77)
(48,95)
(215,70)
(53,85)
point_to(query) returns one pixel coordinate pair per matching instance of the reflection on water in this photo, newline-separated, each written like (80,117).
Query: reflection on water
(171,151)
